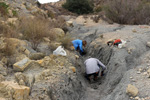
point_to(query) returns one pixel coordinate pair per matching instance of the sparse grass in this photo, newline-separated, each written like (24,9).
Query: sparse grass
(8,31)
(9,48)
(34,30)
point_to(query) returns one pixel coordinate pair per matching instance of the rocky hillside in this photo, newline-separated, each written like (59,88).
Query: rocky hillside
(30,71)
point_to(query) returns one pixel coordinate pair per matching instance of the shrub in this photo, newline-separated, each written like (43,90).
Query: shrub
(98,9)
(58,23)
(50,14)
(66,41)
(9,48)
(78,6)
(34,30)
(3,9)
(14,13)
(8,31)
(128,11)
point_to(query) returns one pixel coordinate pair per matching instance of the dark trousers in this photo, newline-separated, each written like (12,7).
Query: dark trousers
(81,53)
(88,76)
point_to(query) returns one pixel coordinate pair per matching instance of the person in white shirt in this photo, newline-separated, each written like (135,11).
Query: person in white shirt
(93,67)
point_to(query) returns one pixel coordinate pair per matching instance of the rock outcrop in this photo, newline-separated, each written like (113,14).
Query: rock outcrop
(14,91)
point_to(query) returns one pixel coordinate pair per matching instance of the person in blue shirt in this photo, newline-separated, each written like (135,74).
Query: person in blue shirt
(78,45)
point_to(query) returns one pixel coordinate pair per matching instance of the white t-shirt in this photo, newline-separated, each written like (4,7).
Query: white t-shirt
(93,65)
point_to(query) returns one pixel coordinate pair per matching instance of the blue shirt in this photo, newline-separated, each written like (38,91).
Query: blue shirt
(77,43)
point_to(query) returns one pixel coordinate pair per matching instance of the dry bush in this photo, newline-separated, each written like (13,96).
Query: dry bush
(96,18)
(58,23)
(34,30)
(128,11)
(9,31)
(40,13)
(8,49)
(50,14)
(66,41)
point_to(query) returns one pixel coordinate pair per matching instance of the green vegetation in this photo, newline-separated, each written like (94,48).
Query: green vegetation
(14,13)
(3,9)
(78,6)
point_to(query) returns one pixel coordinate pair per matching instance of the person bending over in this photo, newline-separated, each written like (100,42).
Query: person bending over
(93,67)
(78,46)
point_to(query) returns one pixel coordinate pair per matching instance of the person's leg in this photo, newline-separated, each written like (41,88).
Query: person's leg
(87,76)
(82,53)
(96,76)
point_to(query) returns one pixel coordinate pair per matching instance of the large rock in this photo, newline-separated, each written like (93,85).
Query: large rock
(14,91)
(21,78)
(148,72)
(148,44)
(69,23)
(47,62)
(132,90)
(43,75)
(36,56)
(22,64)
(2,78)
(2,98)
(3,70)
(58,31)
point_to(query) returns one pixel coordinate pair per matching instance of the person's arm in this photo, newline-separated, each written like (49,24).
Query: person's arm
(101,64)
(80,46)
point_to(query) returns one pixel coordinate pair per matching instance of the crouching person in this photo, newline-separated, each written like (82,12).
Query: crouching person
(78,45)
(93,67)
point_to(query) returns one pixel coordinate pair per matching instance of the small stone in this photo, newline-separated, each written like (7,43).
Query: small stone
(72,48)
(132,90)
(142,99)
(138,72)
(134,30)
(131,97)
(133,80)
(145,73)
(131,77)
(137,98)
(73,69)
(77,57)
